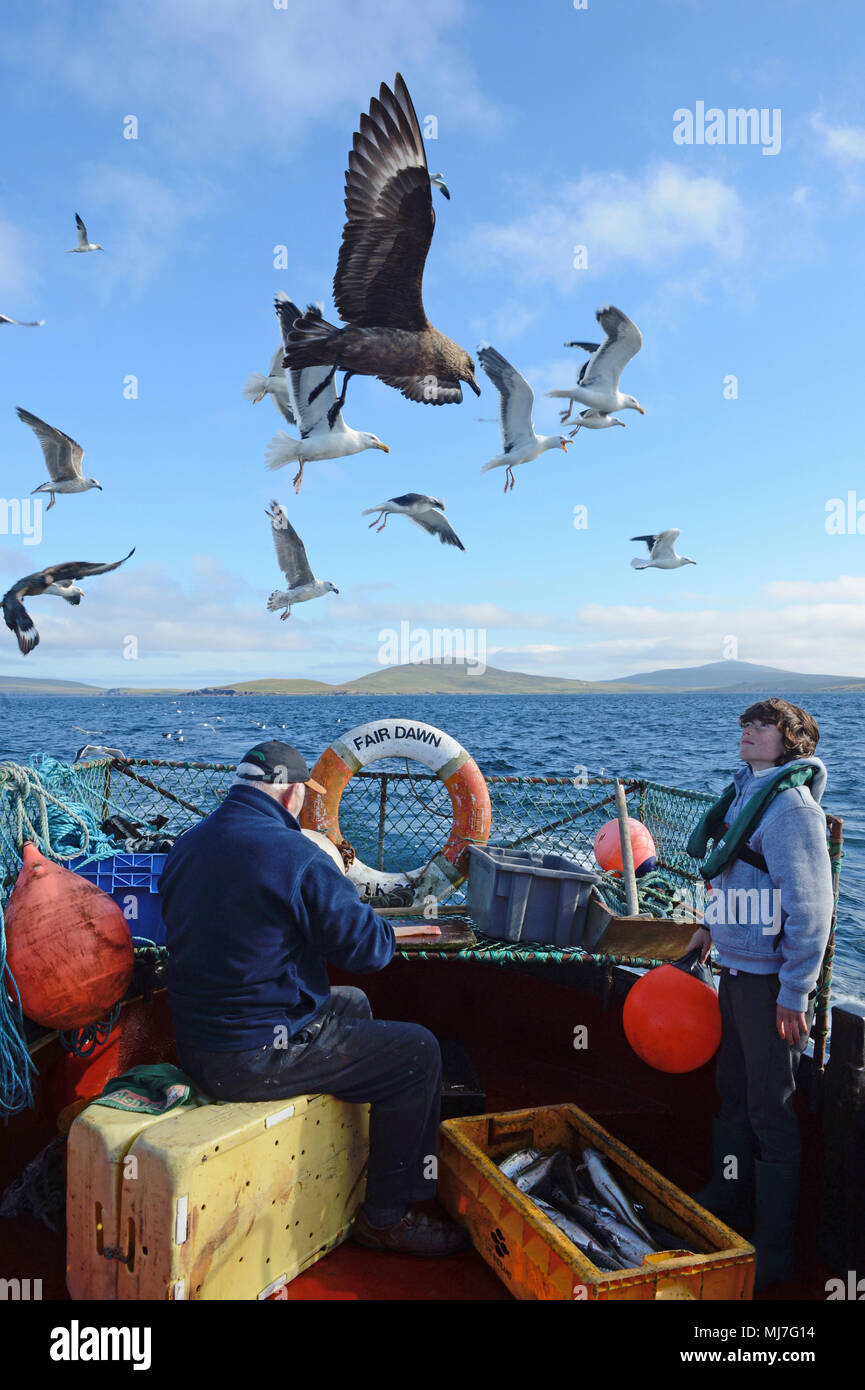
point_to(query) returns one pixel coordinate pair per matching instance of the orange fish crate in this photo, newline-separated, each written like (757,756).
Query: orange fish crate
(535,1259)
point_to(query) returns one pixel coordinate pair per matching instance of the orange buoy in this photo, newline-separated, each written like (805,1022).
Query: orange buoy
(672,1020)
(68,945)
(608,847)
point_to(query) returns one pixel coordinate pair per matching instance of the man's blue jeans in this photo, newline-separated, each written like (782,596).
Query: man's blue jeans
(347,1053)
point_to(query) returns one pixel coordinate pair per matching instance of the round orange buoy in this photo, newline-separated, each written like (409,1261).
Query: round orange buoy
(608,847)
(672,1020)
(68,945)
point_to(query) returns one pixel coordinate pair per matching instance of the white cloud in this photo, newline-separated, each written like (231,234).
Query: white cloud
(650,221)
(842,142)
(216,77)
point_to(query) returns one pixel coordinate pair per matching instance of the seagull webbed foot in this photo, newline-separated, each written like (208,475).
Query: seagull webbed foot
(51,503)
(339,402)
(298,477)
(566,414)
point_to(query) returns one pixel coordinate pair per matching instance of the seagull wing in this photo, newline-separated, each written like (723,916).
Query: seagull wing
(83,238)
(22,323)
(310,419)
(389,218)
(77,569)
(62,455)
(623,341)
(437,525)
(278,386)
(651,541)
(515,398)
(17,619)
(664,542)
(290,552)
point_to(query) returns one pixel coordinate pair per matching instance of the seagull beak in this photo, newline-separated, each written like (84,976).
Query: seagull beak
(641,410)
(99,485)
(564,446)
(385,448)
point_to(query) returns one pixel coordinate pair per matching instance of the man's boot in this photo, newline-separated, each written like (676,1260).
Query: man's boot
(777,1205)
(731,1199)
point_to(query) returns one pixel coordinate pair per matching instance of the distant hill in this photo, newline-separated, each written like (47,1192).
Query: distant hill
(461,678)
(457,678)
(27,685)
(733,676)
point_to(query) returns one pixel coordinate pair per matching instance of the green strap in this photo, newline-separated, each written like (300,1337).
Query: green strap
(727,844)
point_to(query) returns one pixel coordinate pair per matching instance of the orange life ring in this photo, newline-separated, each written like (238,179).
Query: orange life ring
(405,738)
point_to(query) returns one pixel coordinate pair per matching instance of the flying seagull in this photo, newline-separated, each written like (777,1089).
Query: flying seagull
(291,555)
(662,556)
(423,511)
(598,380)
(320,437)
(84,244)
(377,288)
(275,385)
(594,420)
(62,457)
(22,323)
(519,441)
(438,182)
(56,579)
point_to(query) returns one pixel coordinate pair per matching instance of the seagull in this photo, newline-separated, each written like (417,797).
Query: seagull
(516,398)
(62,457)
(598,380)
(378,283)
(662,556)
(274,385)
(55,579)
(22,323)
(83,243)
(423,511)
(290,552)
(594,420)
(438,182)
(321,437)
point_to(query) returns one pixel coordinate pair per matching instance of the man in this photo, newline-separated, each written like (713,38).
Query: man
(770,836)
(253,911)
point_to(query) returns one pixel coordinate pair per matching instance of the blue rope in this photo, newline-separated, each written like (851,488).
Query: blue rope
(65,833)
(16,1064)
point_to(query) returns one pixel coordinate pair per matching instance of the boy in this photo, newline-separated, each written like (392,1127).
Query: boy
(769,835)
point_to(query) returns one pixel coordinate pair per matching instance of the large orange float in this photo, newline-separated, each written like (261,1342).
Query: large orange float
(68,945)
(404,738)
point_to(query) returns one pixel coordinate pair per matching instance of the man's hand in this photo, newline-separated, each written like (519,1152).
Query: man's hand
(791,1025)
(703,938)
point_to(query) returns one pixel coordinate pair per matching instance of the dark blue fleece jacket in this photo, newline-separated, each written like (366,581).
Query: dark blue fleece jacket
(252,911)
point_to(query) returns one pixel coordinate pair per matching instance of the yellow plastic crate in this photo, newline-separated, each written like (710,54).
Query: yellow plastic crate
(532,1256)
(217,1202)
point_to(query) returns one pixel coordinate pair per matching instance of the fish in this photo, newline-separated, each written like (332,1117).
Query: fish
(613,1194)
(514,1164)
(538,1170)
(614,1233)
(580,1237)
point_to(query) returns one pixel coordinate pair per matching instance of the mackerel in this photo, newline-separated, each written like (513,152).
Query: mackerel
(514,1164)
(613,1194)
(604,1259)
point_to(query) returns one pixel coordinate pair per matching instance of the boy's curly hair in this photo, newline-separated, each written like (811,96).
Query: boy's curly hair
(799,729)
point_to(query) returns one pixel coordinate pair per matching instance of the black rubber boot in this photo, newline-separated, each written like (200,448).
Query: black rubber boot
(777,1205)
(730,1199)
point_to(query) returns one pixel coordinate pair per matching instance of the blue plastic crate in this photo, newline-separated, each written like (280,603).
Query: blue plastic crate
(132,881)
(528,897)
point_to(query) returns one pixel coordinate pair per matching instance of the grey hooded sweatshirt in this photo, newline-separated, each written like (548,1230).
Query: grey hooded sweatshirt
(747,908)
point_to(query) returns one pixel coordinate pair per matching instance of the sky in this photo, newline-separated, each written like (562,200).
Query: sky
(557,127)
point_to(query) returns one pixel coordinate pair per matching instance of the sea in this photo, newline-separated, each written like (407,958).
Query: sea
(684,740)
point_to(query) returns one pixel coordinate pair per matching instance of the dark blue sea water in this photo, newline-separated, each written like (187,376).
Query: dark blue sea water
(679,740)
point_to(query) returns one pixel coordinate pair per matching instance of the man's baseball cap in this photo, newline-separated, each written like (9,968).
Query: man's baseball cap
(278,764)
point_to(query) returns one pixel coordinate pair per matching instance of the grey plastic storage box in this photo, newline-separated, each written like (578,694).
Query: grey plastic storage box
(528,897)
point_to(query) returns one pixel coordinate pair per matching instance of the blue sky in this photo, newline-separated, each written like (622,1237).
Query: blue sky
(555,129)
